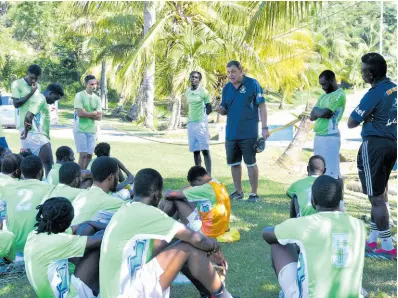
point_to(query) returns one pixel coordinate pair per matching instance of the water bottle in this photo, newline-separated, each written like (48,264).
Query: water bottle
(3,210)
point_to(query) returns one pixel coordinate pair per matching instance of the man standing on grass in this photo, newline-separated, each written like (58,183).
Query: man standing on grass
(87,111)
(327,114)
(378,152)
(197,101)
(242,102)
(36,134)
(21,91)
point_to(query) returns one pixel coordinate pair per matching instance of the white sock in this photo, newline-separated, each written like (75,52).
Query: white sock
(341,206)
(386,240)
(374,233)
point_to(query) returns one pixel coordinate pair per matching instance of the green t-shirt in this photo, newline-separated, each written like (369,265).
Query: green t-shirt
(5,180)
(90,103)
(196,101)
(46,261)
(302,189)
(88,203)
(53,175)
(128,243)
(203,195)
(331,260)
(19,89)
(65,191)
(38,106)
(22,198)
(91,163)
(335,102)
(7,245)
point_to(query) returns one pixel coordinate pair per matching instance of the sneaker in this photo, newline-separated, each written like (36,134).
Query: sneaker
(237,196)
(391,254)
(369,247)
(253,198)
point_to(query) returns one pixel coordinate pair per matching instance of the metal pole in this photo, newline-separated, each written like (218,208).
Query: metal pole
(381,29)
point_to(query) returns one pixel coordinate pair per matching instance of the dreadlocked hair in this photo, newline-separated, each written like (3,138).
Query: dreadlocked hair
(54,215)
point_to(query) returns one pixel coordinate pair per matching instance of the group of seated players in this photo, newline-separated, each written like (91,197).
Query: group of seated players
(134,243)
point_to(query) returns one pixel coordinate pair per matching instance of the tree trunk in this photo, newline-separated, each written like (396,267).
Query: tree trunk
(147,104)
(104,97)
(291,156)
(175,118)
(281,104)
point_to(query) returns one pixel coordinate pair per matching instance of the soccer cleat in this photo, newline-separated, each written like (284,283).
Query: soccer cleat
(370,246)
(253,198)
(390,254)
(237,196)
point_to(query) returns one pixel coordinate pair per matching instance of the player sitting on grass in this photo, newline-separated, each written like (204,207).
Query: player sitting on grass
(63,154)
(332,246)
(300,191)
(134,259)
(48,249)
(10,169)
(213,207)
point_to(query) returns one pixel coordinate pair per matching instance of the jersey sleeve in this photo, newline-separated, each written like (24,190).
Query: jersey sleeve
(78,104)
(15,92)
(291,191)
(164,225)
(259,93)
(7,245)
(36,104)
(365,107)
(68,246)
(206,96)
(199,193)
(112,204)
(291,230)
(336,102)
(223,98)
(99,104)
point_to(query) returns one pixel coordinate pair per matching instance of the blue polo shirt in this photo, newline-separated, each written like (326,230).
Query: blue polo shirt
(381,102)
(242,109)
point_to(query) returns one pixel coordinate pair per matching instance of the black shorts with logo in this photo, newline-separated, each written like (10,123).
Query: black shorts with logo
(376,159)
(237,148)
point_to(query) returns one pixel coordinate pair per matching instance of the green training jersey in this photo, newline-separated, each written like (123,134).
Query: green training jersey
(203,195)
(302,189)
(53,175)
(46,261)
(38,106)
(19,89)
(5,180)
(90,103)
(88,203)
(22,199)
(127,245)
(331,260)
(196,101)
(65,191)
(7,245)
(335,102)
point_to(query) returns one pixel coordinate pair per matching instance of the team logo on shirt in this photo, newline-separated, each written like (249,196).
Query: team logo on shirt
(341,251)
(242,89)
(359,111)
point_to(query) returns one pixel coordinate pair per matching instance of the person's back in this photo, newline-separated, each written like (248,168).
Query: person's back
(22,199)
(301,189)
(332,246)
(70,193)
(213,205)
(53,175)
(133,228)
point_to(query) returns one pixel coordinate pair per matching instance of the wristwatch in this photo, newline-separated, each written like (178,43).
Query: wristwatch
(265,127)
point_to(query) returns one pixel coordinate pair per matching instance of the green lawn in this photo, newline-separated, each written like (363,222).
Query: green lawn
(250,274)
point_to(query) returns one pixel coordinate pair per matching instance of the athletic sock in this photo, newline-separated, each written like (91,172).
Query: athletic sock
(386,240)
(374,233)
(222,293)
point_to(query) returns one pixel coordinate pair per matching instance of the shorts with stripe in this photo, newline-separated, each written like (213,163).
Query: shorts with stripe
(376,159)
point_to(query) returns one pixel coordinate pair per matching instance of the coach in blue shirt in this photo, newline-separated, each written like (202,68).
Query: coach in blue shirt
(378,152)
(242,98)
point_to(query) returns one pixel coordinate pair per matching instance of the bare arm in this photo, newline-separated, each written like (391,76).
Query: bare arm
(198,240)
(263,115)
(221,110)
(18,102)
(174,195)
(352,123)
(92,115)
(28,125)
(320,113)
(94,241)
(269,235)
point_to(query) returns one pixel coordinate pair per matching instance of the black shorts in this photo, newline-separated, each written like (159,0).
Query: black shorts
(376,159)
(238,148)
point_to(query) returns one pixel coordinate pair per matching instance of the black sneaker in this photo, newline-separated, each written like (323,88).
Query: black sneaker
(237,196)
(253,198)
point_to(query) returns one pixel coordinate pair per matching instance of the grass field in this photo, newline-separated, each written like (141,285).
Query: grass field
(250,273)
